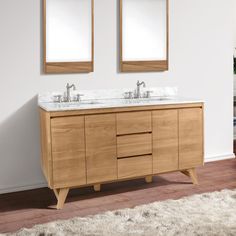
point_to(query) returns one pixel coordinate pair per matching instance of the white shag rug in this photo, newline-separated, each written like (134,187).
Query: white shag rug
(204,214)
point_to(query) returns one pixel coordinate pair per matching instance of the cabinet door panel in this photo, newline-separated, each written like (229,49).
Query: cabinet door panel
(100,132)
(68,151)
(190,138)
(165,140)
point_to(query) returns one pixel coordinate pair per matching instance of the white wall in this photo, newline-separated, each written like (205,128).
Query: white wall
(234,30)
(201,47)
(234,22)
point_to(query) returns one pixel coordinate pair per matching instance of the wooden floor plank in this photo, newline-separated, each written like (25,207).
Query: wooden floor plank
(27,208)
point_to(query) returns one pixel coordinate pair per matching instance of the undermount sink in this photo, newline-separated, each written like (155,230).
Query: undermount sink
(72,99)
(111,101)
(151,99)
(160,98)
(91,102)
(76,104)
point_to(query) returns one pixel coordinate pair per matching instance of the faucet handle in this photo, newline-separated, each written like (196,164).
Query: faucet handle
(128,95)
(57,98)
(76,97)
(147,94)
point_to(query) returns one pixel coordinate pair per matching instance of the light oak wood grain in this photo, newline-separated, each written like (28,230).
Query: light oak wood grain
(144,66)
(62,194)
(101,158)
(190,138)
(134,145)
(134,122)
(56,192)
(192,174)
(165,140)
(68,151)
(80,148)
(68,67)
(134,167)
(46,149)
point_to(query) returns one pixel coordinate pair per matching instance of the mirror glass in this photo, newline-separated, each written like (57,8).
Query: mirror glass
(144,31)
(69,31)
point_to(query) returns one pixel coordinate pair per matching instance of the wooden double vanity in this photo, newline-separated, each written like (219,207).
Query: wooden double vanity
(95,146)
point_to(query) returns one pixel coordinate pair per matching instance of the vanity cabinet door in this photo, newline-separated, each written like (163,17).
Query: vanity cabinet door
(68,151)
(190,137)
(165,140)
(100,133)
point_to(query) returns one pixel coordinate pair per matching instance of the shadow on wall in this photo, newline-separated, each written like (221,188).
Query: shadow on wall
(20,148)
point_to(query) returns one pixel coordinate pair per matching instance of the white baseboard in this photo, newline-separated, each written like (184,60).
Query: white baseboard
(43,185)
(219,157)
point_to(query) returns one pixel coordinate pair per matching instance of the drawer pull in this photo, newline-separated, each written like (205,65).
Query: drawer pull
(120,135)
(146,155)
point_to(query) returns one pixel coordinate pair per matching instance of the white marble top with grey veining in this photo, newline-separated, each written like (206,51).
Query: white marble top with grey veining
(114,98)
(112,103)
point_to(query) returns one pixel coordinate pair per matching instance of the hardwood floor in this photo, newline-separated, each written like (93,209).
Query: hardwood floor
(25,209)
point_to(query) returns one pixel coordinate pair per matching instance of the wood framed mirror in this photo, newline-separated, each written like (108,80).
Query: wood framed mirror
(68,36)
(144,35)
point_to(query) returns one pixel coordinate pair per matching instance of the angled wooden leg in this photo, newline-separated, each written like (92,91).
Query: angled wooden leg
(56,192)
(97,187)
(191,173)
(148,179)
(62,194)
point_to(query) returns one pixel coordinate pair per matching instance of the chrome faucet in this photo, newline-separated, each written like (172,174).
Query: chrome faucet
(137,92)
(68,87)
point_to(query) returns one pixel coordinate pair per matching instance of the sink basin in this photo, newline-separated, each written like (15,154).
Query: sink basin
(76,104)
(160,98)
(90,102)
(144,100)
(86,104)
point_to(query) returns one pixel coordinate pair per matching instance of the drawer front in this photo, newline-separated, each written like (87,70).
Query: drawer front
(133,122)
(134,167)
(134,145)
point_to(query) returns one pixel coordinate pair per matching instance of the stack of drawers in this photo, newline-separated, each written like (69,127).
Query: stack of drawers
(134,144)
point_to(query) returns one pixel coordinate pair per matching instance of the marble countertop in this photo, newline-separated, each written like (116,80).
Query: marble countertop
(112,103)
